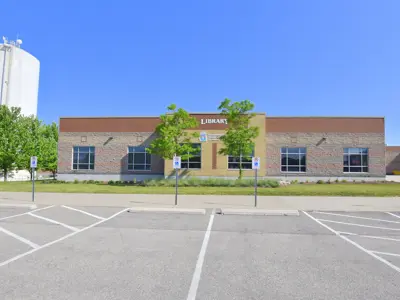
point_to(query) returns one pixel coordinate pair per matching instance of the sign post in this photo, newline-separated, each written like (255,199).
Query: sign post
(33,167)
(255,164)
(176,166)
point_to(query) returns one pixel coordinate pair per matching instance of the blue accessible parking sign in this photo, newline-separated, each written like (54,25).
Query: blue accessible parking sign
(255,163)
(203,137)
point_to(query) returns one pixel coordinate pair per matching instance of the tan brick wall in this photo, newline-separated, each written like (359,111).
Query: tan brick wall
(325,157)
(110,152)
(392,160)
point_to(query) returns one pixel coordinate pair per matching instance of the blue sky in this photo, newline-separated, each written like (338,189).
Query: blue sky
(291,58)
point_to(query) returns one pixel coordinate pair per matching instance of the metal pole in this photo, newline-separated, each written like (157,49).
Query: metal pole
(255,189)
(176,186)
(33,184)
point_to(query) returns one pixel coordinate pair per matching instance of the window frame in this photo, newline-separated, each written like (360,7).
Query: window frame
(91,150)
(146,155)
(362,154)
(299,153)
(240,161)
(188,162)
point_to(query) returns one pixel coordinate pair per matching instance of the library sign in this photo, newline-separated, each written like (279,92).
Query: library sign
(213,121)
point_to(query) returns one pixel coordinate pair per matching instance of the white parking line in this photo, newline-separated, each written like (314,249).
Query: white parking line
(4,263)
(359,225)
(199,265)
(354,243)
(14,216)
(386,253)
(356,217)
(54,222)
(85,212)
(19,238)
(370,236)
(346,233)
(394,215)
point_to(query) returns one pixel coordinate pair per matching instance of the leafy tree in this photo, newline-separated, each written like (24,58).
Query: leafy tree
(48,148)
(173,137)
(10,138)
(239,138)
(31,138)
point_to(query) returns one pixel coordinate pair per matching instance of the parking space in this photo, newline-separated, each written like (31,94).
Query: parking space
(110,253)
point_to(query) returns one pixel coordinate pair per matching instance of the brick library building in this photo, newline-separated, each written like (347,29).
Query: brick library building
(301,148)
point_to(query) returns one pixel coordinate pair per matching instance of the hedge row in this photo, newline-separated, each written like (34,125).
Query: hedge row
(190,182)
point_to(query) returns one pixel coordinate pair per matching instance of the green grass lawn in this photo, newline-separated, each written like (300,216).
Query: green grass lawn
(347,189)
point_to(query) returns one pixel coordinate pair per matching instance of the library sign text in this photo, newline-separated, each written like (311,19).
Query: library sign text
(214,121)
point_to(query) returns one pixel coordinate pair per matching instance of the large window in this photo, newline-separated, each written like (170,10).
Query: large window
(139,159)
(234,161)
(194,162)
(355,160)
(293,159)
(83,158)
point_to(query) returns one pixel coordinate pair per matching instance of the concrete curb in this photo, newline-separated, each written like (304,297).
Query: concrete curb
(31,206)
(173,210)
(259,212)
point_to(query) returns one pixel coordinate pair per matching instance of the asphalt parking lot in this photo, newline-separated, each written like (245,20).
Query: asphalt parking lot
(63,252)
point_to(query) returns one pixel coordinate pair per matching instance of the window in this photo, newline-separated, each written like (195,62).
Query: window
(355,160)
(194,162)
(234,161)
(83,158)
(139,159)
(293,159)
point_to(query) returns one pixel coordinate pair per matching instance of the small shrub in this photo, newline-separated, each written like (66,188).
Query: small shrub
(320,181)
(328,181)
(76,181)
(344,180)
(337,180)
(111,182)
(150,182)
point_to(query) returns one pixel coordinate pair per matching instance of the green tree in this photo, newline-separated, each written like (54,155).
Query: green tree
(11,133)
(31,136)
(238,139)
(48,148)
(173,137)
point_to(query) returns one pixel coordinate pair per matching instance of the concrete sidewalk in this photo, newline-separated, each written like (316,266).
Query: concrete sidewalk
(207,201)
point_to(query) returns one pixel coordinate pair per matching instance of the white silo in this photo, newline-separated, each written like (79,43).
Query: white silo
(19,77)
